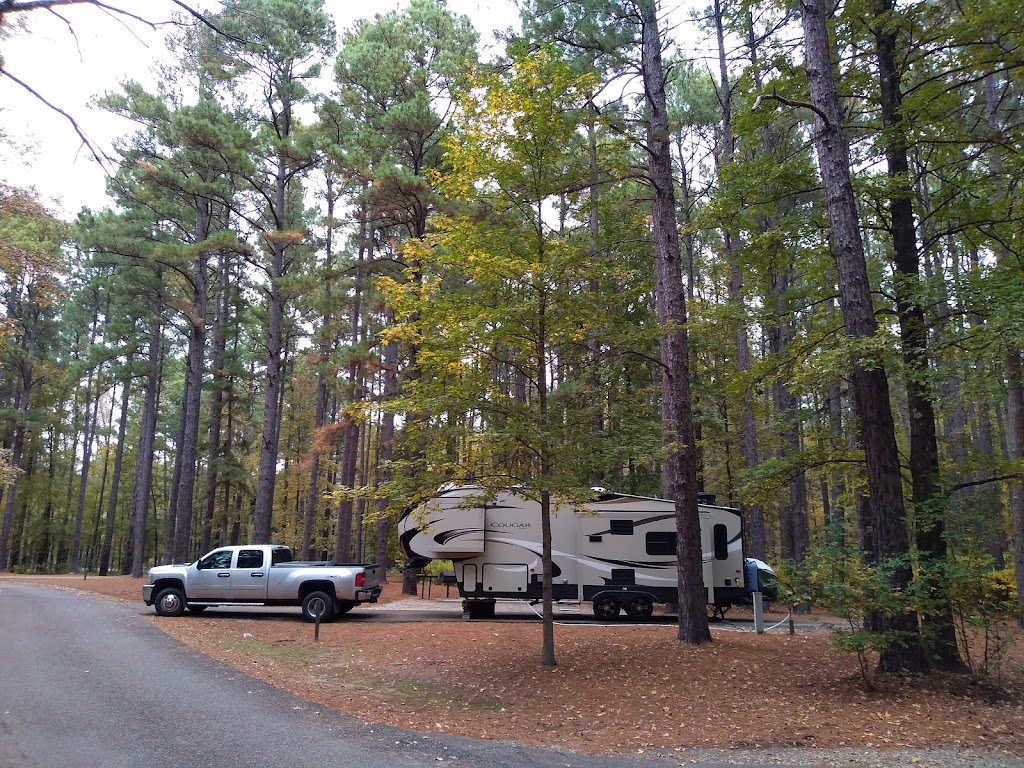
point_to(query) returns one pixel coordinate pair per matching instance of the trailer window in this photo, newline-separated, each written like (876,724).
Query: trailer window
(661,543)
(621,528)
(721,536)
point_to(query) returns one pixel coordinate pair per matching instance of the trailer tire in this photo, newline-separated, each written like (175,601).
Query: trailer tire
(606,607)
(317,604)
(639,607)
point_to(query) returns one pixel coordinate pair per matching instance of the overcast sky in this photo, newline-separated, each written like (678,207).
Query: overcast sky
(84,51)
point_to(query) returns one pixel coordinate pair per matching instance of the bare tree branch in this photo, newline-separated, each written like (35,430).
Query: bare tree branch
(101,159)
(792,103)
(205,20)
(26,6)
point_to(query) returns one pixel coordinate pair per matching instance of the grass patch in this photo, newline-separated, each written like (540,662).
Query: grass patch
(325,669)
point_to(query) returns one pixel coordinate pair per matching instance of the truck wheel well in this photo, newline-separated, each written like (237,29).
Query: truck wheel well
(315,586)
(164,583)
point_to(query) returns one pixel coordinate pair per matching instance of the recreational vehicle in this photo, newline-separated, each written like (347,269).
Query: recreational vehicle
(617,551)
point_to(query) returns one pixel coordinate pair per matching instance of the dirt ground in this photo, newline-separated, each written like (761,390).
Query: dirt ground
(625,689)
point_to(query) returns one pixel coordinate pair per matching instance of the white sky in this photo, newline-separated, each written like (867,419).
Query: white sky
(71,65)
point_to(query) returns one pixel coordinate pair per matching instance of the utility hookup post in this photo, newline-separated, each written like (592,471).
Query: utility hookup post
(316,629)
(758,613)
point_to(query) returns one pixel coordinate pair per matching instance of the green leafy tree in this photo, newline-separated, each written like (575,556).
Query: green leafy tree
(500,288)
(30,287)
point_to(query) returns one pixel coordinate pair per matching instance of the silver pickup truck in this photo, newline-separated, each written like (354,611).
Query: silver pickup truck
(262,574)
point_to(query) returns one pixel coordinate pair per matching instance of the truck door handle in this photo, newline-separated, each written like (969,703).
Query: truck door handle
(257,575)
(223,575)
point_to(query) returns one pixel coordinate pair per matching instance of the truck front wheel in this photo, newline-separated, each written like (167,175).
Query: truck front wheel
(170,602)
(317,604)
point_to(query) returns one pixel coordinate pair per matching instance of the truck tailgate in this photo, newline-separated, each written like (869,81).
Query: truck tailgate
(374,575)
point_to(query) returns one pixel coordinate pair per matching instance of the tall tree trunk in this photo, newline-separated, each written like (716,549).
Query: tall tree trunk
(196,317)
(594,243)
(887,524)
(217,355)
(43,548)
(135,551)
(1014,382)
(1015,438)
(271,426)
(836,521)
(350,450)
(387,446)
(61,542)
(794,531)
(171,517)
(325,345)
(94,539)
(681,455)
(10,494)
(83,481)
(115,483)
(87,438)
(753,515)
(929,506)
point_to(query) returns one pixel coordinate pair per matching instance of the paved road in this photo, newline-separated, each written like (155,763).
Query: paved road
(89,683)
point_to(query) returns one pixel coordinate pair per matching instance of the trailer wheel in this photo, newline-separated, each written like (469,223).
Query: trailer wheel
(639,607)
(606,607)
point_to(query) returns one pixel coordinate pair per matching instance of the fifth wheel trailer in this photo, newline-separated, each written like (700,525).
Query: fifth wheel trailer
(617,551)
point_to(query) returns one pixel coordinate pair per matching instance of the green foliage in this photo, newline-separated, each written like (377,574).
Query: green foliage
(836,579)
(437,567)
(985,605)
(493,296)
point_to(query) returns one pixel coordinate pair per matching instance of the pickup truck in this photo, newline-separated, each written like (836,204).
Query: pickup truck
(262,574)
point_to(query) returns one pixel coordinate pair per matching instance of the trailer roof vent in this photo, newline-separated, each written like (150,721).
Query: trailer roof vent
(705,498)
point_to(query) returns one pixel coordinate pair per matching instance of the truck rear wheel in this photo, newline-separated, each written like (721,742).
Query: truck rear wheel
(170,602)
(318,604)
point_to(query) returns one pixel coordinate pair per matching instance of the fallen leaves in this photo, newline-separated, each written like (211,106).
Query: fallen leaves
(629,689)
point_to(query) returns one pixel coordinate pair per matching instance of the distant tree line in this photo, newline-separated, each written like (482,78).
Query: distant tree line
(787,272)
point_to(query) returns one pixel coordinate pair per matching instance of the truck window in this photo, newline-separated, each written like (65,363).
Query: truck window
(250,558)
(621,528)
(217,560)
(661,543)
(280,555)
(721,536)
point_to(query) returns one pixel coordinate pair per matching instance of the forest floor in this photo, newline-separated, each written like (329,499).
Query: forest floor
(620,689)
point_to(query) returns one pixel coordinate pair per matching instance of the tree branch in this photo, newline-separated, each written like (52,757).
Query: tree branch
(792,103)
(74,124)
